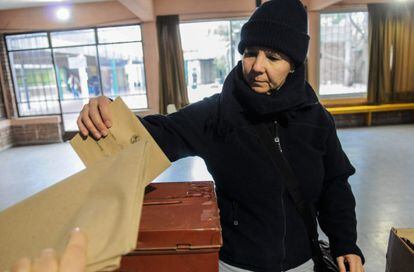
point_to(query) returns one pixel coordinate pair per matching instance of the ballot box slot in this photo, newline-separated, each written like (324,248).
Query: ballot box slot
(174,250)
(162,202)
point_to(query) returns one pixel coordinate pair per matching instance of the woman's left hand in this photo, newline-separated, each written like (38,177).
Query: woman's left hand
(72,260)
(354,262)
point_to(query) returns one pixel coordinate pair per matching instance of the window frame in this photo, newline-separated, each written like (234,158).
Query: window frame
(51,48)
(227,19)
(337,100)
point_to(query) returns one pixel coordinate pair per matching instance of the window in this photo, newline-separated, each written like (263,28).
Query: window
(122,64)
(344,54)
(57,72)
(210,52)
(27,41)
(33,74)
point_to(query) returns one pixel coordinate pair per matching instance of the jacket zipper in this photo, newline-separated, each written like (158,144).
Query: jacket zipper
(235,220)
(279,145)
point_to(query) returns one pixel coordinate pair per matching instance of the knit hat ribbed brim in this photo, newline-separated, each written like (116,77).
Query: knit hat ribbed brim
(280,25)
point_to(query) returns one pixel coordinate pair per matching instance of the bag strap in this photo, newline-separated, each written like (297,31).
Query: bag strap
(293,187)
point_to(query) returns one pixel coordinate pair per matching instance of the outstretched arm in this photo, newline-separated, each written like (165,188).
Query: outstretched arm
(179,134)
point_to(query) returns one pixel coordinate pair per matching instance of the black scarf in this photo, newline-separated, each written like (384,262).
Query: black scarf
(291,95)
(238,102)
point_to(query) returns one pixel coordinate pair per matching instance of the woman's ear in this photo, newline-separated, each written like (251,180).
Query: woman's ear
(292,68)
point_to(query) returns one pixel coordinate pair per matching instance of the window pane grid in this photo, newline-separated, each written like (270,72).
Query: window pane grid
(34,82)
(27,41)
(119,34)
(210,51)
(60,79)
(73,38)
(344,54)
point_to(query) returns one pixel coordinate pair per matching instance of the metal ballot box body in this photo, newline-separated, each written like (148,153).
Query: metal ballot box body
(179,230)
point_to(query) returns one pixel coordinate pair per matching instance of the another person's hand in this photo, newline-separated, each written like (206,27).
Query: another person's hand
(72,260)
(354,263)
(95,118)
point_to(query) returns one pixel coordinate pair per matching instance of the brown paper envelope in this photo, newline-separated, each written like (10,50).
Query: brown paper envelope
(126,129)
(104,200)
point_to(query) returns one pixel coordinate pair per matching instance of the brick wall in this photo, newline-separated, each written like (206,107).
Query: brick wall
(2,108)
(5,134)
(378,118)
(36,130)
(30,131)
(36,134)
(392,118)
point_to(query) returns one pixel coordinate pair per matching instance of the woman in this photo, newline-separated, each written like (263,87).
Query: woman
(261,228)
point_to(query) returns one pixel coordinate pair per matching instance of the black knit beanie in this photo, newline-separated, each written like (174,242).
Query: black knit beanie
(281,25)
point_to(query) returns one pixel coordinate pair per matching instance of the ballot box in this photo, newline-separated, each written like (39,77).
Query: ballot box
(400,252)
(179,230)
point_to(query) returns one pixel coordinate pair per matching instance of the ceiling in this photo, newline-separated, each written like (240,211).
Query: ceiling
(13,4)
(312,4)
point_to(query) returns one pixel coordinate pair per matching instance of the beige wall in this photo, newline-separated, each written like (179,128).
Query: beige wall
(150,48)
(364,2)
(191,9)
(313,54)
(83,15)
(198,9)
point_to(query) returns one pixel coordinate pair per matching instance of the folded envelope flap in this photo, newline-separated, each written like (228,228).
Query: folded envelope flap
(126,129)
(407,233)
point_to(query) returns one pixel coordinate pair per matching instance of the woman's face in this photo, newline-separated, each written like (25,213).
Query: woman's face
(265,69)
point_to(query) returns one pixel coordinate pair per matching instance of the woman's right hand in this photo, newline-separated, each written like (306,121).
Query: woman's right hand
(95,117)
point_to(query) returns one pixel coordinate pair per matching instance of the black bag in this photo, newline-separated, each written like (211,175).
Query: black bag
(328,260)
(321,253)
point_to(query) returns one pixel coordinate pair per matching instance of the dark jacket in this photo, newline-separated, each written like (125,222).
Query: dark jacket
(262,231)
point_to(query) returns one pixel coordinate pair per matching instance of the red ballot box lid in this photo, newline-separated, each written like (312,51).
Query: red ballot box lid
(179,216)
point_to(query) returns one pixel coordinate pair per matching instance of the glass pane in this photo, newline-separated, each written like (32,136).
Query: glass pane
(78,76)
(344,54)
(119,34)
(235,39)
(207,57)
(122,70)
(34,82)
(72,38)
(78,80)
(69,121)
(27,41)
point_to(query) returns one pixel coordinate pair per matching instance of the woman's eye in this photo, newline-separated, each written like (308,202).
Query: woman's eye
(273,58)
(250,54)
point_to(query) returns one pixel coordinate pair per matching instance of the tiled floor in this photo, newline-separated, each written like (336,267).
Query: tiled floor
(383,184)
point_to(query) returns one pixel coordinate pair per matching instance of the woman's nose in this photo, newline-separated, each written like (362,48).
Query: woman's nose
(259,63)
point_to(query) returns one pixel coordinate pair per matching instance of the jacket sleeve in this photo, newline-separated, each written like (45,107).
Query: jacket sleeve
(337,203)
(180,134)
